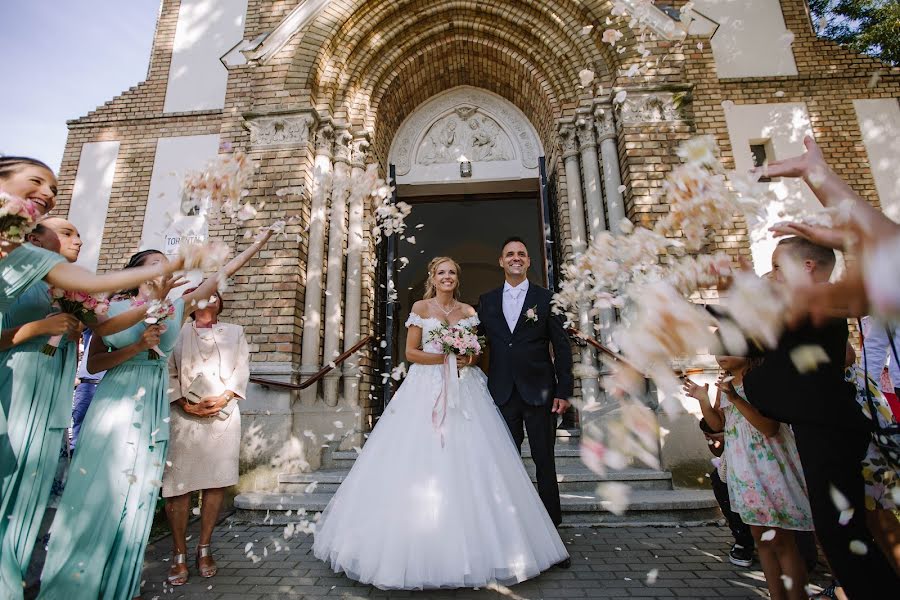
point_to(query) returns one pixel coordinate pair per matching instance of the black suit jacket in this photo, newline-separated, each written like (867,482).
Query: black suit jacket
(521,358)
(832,434)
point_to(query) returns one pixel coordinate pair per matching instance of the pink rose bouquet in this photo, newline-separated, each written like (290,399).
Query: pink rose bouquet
(18,217)
(458,339)
(87,308)
(157,311)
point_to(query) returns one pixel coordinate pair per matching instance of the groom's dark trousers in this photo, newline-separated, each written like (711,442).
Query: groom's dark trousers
(523,379)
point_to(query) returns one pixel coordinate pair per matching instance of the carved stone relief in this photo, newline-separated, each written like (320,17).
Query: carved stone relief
(649,108)
(283,131)
(466,122)
(464,133)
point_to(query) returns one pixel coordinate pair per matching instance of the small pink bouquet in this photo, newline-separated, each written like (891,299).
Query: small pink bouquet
(458,339)
(18,216)
(87,308)
(157,311)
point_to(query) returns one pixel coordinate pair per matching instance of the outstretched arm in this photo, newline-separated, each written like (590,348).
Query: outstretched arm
(829,188)
(71,277)
(159,289)
(209,286)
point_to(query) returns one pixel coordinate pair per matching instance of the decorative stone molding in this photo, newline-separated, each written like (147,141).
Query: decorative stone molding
(568,140)
(649,107)
(279,131)
(342,141)
(465,122)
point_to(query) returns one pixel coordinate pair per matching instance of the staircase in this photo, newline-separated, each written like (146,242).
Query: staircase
(653,499)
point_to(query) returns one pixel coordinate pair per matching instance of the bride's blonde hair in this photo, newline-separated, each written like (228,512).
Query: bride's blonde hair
(430,288)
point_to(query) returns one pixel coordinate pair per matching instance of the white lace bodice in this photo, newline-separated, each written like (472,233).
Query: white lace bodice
(429,324)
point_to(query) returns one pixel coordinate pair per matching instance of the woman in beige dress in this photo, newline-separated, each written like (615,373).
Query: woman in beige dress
(208,374)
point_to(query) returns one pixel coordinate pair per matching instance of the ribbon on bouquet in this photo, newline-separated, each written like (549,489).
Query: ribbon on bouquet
(447,397)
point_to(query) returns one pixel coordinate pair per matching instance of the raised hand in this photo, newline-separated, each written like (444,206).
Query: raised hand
(159,288)
(693,390)
(725,384)
(824,236)
(804,165)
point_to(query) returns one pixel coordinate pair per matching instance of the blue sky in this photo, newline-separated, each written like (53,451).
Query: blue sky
(63,58)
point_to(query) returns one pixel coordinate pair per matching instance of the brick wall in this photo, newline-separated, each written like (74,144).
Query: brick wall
(369,63)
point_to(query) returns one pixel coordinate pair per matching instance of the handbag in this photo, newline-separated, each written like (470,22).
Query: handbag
(201,387)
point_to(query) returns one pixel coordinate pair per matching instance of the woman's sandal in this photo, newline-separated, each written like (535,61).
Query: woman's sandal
(208,568)
(178,572)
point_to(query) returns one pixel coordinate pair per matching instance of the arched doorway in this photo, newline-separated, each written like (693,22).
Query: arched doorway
(471,166)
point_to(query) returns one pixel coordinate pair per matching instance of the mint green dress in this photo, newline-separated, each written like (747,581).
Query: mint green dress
(100,532)
(21,268)
(37,394)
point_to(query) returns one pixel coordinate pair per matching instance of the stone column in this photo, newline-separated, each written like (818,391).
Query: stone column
(337,231)
(312,304)
(353,294)
(568,141)
(584,127)
(604,120)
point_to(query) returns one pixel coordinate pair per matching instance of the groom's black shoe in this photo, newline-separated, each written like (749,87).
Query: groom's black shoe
(565,564)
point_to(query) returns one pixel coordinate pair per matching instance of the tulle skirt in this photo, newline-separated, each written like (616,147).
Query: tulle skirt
(438,507)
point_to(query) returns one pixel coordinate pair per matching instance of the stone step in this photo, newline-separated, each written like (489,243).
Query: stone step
(647,507)
(573,478)
(566,450)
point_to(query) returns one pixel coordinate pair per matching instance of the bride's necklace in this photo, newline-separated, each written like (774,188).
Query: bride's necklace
(443,310)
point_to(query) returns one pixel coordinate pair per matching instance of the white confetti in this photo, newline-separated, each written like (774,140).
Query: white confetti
(768,535)
(652,576)
(859,548)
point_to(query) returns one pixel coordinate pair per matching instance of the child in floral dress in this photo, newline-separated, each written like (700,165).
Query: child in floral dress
(765,479)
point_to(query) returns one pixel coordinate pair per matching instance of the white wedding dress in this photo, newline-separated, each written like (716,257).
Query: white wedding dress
(428,506)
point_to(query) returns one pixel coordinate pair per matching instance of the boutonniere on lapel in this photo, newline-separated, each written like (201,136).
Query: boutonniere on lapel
(531,315)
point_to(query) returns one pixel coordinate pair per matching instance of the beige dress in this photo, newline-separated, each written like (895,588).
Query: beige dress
(203,452)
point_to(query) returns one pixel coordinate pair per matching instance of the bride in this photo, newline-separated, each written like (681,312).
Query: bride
(438,497)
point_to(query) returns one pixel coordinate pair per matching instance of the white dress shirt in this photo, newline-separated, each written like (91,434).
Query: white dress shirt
(513,300)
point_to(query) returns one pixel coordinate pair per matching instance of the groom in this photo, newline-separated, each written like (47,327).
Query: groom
(528,386)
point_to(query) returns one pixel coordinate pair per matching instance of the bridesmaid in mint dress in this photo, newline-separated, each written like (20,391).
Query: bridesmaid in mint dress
(36,390)
(100,533)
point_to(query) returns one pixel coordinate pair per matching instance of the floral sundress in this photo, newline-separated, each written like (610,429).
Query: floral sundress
(878,466)
(765,479)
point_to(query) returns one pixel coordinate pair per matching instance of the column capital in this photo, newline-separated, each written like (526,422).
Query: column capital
(325,140)
(568,140)
(360,150)
(584,129)
(342,139)
(604,122)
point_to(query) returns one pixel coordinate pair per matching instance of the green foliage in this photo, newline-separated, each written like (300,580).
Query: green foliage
(868,26)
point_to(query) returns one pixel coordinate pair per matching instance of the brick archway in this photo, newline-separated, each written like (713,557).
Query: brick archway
(379,59)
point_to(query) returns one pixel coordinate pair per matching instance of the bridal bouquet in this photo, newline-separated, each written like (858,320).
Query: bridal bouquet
(17,218)
(87,308)
(157,311)
(458,339)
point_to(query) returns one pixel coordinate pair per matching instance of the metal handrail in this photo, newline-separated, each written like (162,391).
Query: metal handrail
(613,354)
(319,375)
